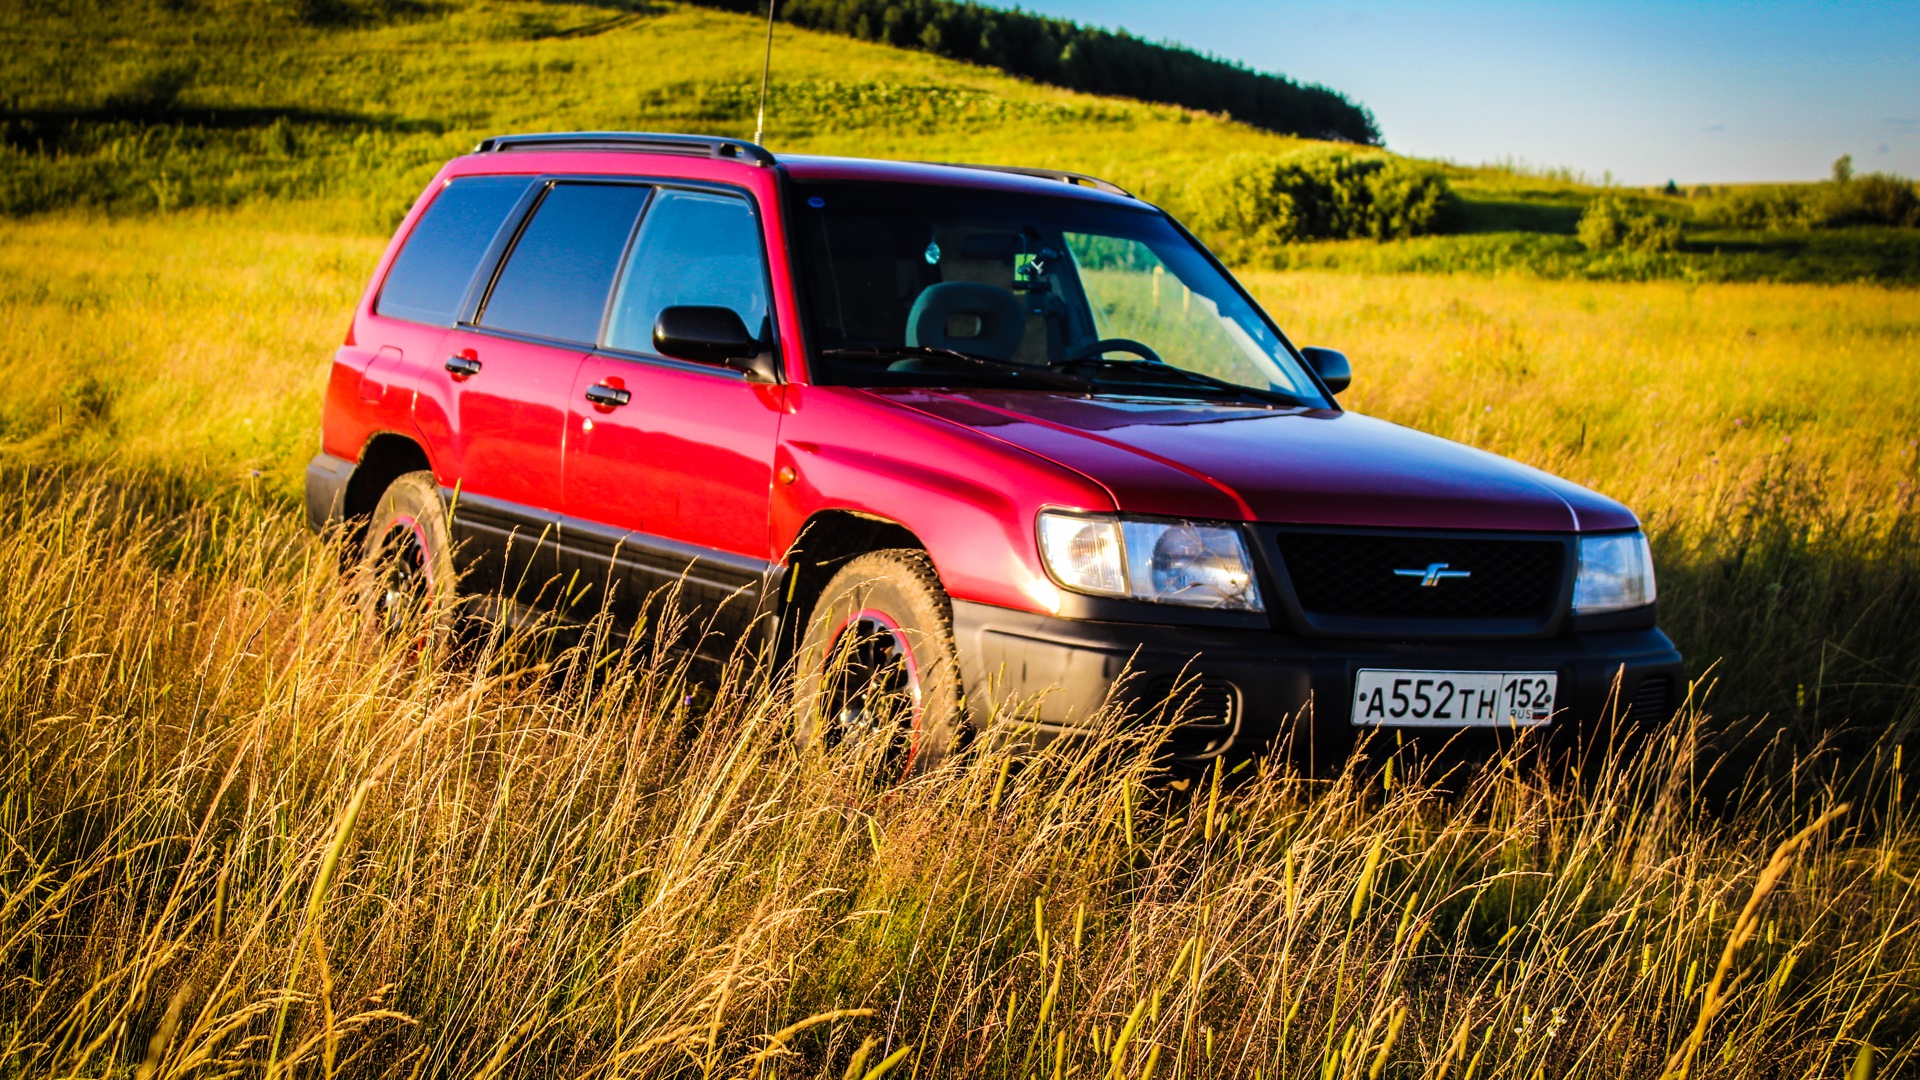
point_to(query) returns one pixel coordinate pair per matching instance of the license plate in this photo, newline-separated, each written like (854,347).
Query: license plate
(1453,698)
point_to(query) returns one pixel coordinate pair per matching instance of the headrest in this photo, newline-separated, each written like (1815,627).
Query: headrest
(967,316)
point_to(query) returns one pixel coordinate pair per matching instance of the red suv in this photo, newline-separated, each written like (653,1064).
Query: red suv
(944,438)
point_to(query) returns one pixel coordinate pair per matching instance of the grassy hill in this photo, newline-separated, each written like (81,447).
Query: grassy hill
(167,104)
(142,107)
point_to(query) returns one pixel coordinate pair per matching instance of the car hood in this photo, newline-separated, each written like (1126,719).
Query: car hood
(1285,466)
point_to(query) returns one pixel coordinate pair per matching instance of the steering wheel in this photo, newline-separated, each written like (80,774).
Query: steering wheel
(1115,344)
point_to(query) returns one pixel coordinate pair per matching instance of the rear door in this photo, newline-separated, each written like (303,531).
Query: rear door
(507,376)
(455,242)
(667,494)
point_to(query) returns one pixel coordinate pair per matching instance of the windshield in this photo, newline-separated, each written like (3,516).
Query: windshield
(906,285)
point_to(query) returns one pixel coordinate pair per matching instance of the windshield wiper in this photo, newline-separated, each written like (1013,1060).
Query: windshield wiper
(1195,378)
(1044,375)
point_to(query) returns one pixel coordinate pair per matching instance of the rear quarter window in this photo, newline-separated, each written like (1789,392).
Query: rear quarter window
(429,279)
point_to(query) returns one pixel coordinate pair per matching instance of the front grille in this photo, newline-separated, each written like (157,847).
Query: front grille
(1353,575)
(1652,700)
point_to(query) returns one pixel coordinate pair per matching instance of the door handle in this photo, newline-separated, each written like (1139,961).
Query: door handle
(463,365)
(610,396)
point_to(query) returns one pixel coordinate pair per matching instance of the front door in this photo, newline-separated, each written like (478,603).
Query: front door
(669,463)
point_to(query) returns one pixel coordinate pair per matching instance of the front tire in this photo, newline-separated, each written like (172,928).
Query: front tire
(409,583)
(877,672)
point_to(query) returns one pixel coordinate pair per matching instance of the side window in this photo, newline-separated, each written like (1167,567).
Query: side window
(556,279)
(694,248)
(429,278)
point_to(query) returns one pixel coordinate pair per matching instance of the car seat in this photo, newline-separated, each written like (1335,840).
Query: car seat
(966,316)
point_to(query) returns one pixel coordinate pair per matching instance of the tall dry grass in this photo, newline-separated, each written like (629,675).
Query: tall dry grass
(244,835)
(239,833)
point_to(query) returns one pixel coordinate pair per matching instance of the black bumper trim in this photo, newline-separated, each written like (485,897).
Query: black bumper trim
(327,478)
(1060,672)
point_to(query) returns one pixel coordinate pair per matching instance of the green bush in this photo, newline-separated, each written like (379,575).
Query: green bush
(1866,199)
(1614,223)
(1774,206)
(1248,205)
(1872,199)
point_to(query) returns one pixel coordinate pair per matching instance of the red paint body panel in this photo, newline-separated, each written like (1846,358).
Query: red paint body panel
(503,428)
(690,457)
(970,498)
(1307,467)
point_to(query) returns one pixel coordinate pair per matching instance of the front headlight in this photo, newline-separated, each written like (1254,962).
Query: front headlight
(1616,573)
(1167,562)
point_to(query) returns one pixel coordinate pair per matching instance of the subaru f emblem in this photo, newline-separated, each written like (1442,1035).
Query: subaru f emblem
(1432,574)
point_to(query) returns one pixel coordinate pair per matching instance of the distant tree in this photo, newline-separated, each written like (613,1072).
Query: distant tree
(1064,53)
(1843,168)
(1671,188)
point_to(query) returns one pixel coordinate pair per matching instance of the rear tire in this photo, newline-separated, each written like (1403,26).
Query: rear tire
(409,578)
(876,671)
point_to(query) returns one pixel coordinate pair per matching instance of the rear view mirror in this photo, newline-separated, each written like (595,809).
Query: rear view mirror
(711,335)
(1331,366)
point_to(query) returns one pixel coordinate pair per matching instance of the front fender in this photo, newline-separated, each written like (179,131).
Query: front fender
(969,498)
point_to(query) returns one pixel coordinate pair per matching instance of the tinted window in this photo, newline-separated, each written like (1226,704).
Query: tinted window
(429,279)
(556,280)
(693,248)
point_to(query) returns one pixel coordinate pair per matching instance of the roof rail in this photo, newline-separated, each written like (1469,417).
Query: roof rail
(693,145)
(1065,177)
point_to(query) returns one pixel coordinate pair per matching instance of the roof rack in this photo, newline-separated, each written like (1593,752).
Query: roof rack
(692,145)
(1065,177)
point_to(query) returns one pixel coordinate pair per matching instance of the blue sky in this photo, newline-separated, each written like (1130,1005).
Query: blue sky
(1700,91)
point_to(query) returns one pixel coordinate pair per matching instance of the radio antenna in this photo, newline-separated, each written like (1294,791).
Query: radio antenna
(766,65)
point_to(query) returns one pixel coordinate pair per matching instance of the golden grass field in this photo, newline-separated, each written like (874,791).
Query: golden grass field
(244,835)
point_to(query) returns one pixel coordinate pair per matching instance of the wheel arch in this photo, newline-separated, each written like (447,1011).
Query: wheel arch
(386,457)
(828,540)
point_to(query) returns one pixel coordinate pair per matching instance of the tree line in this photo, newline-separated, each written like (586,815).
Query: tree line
(1063,53)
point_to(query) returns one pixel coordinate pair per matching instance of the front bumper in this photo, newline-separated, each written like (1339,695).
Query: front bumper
(1243,690)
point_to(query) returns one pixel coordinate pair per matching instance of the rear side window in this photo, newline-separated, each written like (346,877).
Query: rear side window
(556,280)
(694,247)
(430,277)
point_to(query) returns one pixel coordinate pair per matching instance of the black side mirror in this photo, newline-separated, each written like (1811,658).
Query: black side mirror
(711,335)
(1331,366)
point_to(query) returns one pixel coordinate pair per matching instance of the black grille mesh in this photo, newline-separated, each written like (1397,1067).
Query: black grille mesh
(1339,574)
(1652,700)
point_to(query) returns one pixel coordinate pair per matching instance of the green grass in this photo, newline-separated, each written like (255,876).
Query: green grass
(230,103)
(1864,254)
(161,105)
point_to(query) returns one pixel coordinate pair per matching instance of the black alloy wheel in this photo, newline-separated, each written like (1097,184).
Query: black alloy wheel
(877,675)
(409,583)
